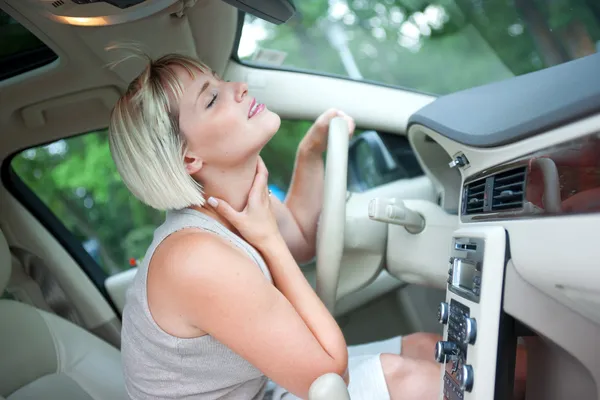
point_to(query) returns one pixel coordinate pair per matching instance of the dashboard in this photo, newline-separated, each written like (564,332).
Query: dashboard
(518,162)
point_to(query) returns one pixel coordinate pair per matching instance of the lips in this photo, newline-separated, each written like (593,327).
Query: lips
(255,108)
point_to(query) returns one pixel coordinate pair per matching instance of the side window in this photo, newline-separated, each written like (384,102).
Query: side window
(78,181)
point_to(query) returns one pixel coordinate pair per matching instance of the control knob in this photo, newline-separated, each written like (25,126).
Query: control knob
(470,331)
(442,313)
(445,351)
(466,378)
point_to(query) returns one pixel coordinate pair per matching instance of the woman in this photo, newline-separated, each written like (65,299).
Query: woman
(219,303)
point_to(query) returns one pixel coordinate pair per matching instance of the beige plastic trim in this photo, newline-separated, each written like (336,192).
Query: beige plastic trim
(303,96)
(422,258)
(383,283)
(116,285)
(482,355)
(365,240)
(434,161)
(328,387)
(330,231)
(33,115)
(571,331)
(22,229)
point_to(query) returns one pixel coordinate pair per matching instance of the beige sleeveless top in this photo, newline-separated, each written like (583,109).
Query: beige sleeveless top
(158,365)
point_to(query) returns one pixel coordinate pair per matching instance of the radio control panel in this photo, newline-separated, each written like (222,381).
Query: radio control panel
(464,280)
(462,331)
(466,267)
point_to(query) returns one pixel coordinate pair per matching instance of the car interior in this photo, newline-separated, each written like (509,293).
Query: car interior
(470,209)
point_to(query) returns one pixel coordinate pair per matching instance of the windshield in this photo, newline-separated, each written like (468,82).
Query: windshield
(436,47)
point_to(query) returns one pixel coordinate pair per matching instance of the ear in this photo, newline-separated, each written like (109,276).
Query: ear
(192,163)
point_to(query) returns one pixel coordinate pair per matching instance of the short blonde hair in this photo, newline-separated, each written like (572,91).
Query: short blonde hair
(145,140)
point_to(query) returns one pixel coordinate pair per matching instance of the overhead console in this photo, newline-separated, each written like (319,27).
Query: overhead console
(112,12)
(99,12)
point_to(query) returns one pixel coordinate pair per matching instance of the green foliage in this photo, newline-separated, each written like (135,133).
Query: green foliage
(78,181)
(437,46)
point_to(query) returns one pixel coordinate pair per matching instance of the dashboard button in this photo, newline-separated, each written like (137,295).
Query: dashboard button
(446,351)
(442,313)
(466,378)
(470,331)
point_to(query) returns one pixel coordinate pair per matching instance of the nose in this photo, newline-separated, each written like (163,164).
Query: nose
(241,90)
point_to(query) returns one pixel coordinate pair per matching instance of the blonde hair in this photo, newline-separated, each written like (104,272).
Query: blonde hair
(144,137)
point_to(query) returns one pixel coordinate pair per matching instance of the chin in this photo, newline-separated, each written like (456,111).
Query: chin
(272,123)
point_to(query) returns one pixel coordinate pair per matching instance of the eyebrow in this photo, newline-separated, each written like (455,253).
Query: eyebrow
(204,87)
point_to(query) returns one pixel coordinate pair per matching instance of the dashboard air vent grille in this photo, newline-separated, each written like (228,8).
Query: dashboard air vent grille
(58,3)
(508,190)
(475,197)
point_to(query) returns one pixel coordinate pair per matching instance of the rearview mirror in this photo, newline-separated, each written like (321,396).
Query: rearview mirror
(274,11)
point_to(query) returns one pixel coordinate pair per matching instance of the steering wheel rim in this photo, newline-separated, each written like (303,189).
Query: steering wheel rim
(330,232)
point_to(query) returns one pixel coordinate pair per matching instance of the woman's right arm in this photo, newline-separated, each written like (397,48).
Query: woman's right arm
(287,334)
(283,330)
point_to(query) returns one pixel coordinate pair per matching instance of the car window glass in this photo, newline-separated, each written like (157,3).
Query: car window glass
(21,50)
(434,46)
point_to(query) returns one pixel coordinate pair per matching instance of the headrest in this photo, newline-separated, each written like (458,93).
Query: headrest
(5,263)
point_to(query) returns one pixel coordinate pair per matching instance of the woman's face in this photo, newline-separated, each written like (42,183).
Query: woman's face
(224,126)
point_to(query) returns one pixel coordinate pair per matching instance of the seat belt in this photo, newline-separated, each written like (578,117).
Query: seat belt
(57,301)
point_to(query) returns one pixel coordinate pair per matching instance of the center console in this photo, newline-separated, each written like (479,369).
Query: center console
(472,314)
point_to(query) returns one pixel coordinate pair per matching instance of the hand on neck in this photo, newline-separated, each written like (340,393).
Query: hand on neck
(231,185)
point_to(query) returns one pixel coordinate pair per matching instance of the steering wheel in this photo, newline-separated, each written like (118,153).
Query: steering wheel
(330,232)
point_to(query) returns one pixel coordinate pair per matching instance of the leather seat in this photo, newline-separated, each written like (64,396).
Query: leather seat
(46,357)
(43,356)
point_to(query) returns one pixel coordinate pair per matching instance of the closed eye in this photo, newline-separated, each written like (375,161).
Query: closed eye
(213,100)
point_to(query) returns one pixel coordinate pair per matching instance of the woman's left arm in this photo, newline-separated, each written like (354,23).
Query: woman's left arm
(298,215)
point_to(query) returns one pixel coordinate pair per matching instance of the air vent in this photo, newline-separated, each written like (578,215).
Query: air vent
(58,3)
(508,190)
(475,197)
(504,191)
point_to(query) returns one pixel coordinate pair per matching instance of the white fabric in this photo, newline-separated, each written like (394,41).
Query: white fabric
(367,381)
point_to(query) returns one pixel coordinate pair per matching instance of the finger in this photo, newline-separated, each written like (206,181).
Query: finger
(351,125)
(324,119)
(349,120)
(223,209)
(261,167)
(259,186)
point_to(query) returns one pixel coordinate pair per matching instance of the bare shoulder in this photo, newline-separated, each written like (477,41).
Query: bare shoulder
(192,273)
(195,253)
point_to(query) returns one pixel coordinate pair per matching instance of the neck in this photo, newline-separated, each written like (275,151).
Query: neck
(231,185)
